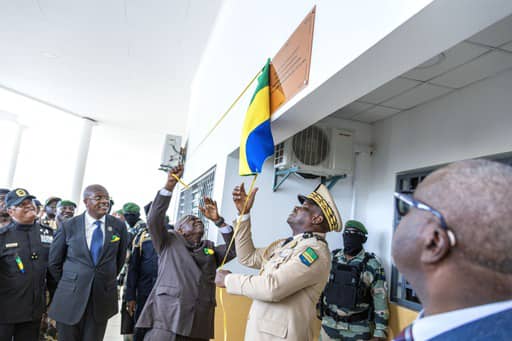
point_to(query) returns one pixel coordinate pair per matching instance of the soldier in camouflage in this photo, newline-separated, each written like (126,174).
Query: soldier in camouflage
(354,305)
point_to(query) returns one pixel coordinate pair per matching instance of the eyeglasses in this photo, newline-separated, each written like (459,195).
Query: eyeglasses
(404,203)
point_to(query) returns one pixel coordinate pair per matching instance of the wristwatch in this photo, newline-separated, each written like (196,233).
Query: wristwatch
(219,222)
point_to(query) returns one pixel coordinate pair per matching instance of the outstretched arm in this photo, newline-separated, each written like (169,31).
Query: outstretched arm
(289,278)
(247,253)
(156,218)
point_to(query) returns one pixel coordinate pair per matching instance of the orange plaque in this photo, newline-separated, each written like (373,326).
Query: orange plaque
(289,71)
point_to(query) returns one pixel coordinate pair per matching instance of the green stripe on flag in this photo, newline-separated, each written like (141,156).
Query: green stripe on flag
(263,80)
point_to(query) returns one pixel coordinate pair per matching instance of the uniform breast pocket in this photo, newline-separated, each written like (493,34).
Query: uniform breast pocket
(280,258)
(273,327)
(8,262)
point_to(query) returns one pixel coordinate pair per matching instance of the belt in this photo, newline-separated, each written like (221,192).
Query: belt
(361,316)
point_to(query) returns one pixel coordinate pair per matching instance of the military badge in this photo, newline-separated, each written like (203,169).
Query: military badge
(115,238)
(20,193)
(46,239)
(207,251)
(308,257)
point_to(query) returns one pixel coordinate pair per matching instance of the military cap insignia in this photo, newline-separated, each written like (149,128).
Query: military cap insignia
(20,193)
(308,257)
(115,238)
(207,251)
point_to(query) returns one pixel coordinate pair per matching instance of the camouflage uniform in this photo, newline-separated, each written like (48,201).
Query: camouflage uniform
(374,278)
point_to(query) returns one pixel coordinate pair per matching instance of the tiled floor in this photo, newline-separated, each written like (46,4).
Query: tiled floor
(113,329)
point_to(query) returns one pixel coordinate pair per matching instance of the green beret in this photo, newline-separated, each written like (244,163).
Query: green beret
(356,225)
(120,211)
(63,203)
(131,207)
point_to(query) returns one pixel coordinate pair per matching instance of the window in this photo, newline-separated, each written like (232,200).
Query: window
(401,291)
(192,198)
(406,182)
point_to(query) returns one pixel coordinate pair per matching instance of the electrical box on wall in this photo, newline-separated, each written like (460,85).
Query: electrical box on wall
(317,150)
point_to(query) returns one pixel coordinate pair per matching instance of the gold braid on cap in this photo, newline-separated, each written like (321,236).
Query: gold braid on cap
(326,210)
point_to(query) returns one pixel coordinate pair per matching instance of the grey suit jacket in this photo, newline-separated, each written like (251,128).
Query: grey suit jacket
(183,298)
(70,263)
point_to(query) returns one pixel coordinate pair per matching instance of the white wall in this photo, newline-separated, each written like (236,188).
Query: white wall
(357,46)
(473,122)
(126,162)
(247,33)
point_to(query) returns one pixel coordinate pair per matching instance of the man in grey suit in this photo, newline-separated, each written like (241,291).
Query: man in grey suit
(181,305)
(86,256)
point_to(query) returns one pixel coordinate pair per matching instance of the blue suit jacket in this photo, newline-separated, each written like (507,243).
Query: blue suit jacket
(70,263)
(495,327)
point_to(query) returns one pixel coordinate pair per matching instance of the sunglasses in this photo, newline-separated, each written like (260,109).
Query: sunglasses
(404,202)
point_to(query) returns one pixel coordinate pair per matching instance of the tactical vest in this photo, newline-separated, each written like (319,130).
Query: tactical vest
(346,287)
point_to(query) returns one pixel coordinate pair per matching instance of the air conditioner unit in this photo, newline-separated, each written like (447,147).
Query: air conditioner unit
(318,150)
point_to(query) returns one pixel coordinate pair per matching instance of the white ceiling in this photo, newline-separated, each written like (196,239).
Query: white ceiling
(484,55)
(122,62)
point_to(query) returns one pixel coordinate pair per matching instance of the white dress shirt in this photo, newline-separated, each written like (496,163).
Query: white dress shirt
(90,226)
(425,328)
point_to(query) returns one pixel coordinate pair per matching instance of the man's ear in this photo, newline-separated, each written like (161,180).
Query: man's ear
(436,244)
(10,210)
(318,219)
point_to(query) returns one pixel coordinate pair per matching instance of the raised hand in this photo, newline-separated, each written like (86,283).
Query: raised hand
(209,210)
(240,197)
(130,307)
(220,278)
(172,177)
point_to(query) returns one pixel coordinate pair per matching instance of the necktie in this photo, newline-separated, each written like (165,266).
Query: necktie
(96,242)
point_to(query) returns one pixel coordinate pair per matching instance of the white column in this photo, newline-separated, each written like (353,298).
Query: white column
(81,160)
(13,162)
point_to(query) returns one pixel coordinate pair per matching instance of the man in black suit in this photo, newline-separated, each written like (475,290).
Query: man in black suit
(85,258)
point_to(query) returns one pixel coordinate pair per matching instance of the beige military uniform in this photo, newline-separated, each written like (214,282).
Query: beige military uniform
(292,275)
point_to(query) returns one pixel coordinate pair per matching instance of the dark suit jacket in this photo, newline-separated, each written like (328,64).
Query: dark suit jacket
(70,263)
(183,298)
(495,327)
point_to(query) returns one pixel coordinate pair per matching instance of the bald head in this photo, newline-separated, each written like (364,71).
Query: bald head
(475,198)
